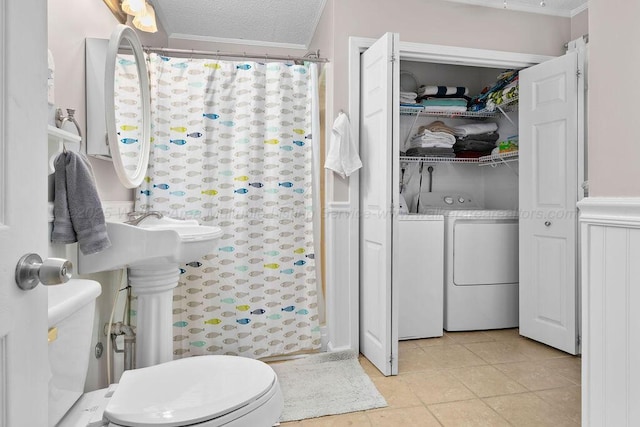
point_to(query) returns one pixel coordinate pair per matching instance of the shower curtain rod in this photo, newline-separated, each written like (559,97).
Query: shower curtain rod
(163,50)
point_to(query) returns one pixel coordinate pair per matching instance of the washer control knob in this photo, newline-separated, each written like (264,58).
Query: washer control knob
(448,200)
(461,199)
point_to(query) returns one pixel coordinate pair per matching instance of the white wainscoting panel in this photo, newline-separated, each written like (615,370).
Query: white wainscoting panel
(342,277)
(610,230)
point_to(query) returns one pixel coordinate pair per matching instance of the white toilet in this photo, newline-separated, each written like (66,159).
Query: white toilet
(202,391)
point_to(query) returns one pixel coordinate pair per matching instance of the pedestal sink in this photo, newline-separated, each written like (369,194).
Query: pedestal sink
(152,252)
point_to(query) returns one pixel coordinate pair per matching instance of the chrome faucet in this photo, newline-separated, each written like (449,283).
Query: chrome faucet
(136,217)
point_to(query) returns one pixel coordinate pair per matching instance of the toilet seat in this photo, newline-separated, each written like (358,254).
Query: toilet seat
(196,390)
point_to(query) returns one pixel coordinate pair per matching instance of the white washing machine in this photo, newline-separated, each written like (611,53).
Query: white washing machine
(480,262)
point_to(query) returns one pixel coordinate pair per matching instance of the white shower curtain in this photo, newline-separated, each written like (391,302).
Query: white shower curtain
(232,147)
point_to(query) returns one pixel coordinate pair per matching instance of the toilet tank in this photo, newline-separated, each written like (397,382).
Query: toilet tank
(71,312)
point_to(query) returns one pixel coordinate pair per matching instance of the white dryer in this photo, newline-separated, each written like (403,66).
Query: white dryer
(480,262)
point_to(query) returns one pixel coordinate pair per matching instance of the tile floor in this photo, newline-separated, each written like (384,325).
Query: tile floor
(487,378)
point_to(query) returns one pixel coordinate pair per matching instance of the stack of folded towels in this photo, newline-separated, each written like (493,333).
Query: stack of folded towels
(475,140)
(433,140)
(408,98)
(444,98)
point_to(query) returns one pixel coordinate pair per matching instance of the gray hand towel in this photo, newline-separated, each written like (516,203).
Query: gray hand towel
(78,214)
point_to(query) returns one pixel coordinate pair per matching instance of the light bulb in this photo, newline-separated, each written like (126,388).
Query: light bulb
(146,21)
(133,7)
(543,3)
(504,4)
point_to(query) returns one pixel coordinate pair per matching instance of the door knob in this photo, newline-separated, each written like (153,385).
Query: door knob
(31,270)
(547,223)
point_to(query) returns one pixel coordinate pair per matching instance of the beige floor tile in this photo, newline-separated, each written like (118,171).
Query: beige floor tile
(369,368)
(467,413)
(429,342)
(535,350)
(414,359)
(292,424)
(486,381)
(407,344)
(534,375)
(452,356)
(503,334)
(467,337)
(566,399)
(569,367)
(497,351)
(396,392)
(437,387)
(417,416)
(353,419)
(527,409)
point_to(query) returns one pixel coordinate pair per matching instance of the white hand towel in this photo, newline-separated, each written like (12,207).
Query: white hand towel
(342,157)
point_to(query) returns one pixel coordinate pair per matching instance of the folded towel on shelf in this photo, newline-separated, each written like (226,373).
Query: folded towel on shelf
(444,102)
(473,145)
(475,128)
(78,214)
(445,108)
(430,144)
(437,126)
(342,157)
(427,138)
(489,137)
(417,107)
(471,154)
(408,97)
(442,90)
(430,152)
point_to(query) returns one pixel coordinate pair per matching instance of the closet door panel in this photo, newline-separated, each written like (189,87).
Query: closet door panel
(547,196)
(378,325)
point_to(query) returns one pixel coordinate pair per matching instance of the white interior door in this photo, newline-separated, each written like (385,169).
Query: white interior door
(23,210)
(379,89)
(548,195)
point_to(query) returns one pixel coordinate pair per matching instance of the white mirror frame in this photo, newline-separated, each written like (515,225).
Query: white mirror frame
(126,178)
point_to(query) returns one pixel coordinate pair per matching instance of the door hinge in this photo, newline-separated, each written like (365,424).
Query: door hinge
(578,73)
(578,340)
(392,58)
(391,359)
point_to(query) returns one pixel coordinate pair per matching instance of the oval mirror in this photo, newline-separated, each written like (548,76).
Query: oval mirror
(127,106)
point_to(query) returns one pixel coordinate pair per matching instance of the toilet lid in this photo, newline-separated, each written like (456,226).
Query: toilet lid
(188,391)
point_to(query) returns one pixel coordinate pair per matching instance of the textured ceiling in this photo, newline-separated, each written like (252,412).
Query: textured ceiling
(289,23)
(278,23)
(566,8)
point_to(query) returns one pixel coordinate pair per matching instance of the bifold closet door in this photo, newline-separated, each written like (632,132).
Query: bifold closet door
(548,196)
(378,95)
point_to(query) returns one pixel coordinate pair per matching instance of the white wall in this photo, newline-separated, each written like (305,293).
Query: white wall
(70,22)
(580,24)
(614,63)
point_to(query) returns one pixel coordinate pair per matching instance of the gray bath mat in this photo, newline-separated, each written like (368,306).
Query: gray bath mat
(325,384)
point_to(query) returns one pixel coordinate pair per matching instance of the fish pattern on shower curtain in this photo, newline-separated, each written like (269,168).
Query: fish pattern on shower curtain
(231,147)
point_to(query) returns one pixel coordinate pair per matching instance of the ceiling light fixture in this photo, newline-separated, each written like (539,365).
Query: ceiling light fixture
(133,7)
(146,19)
